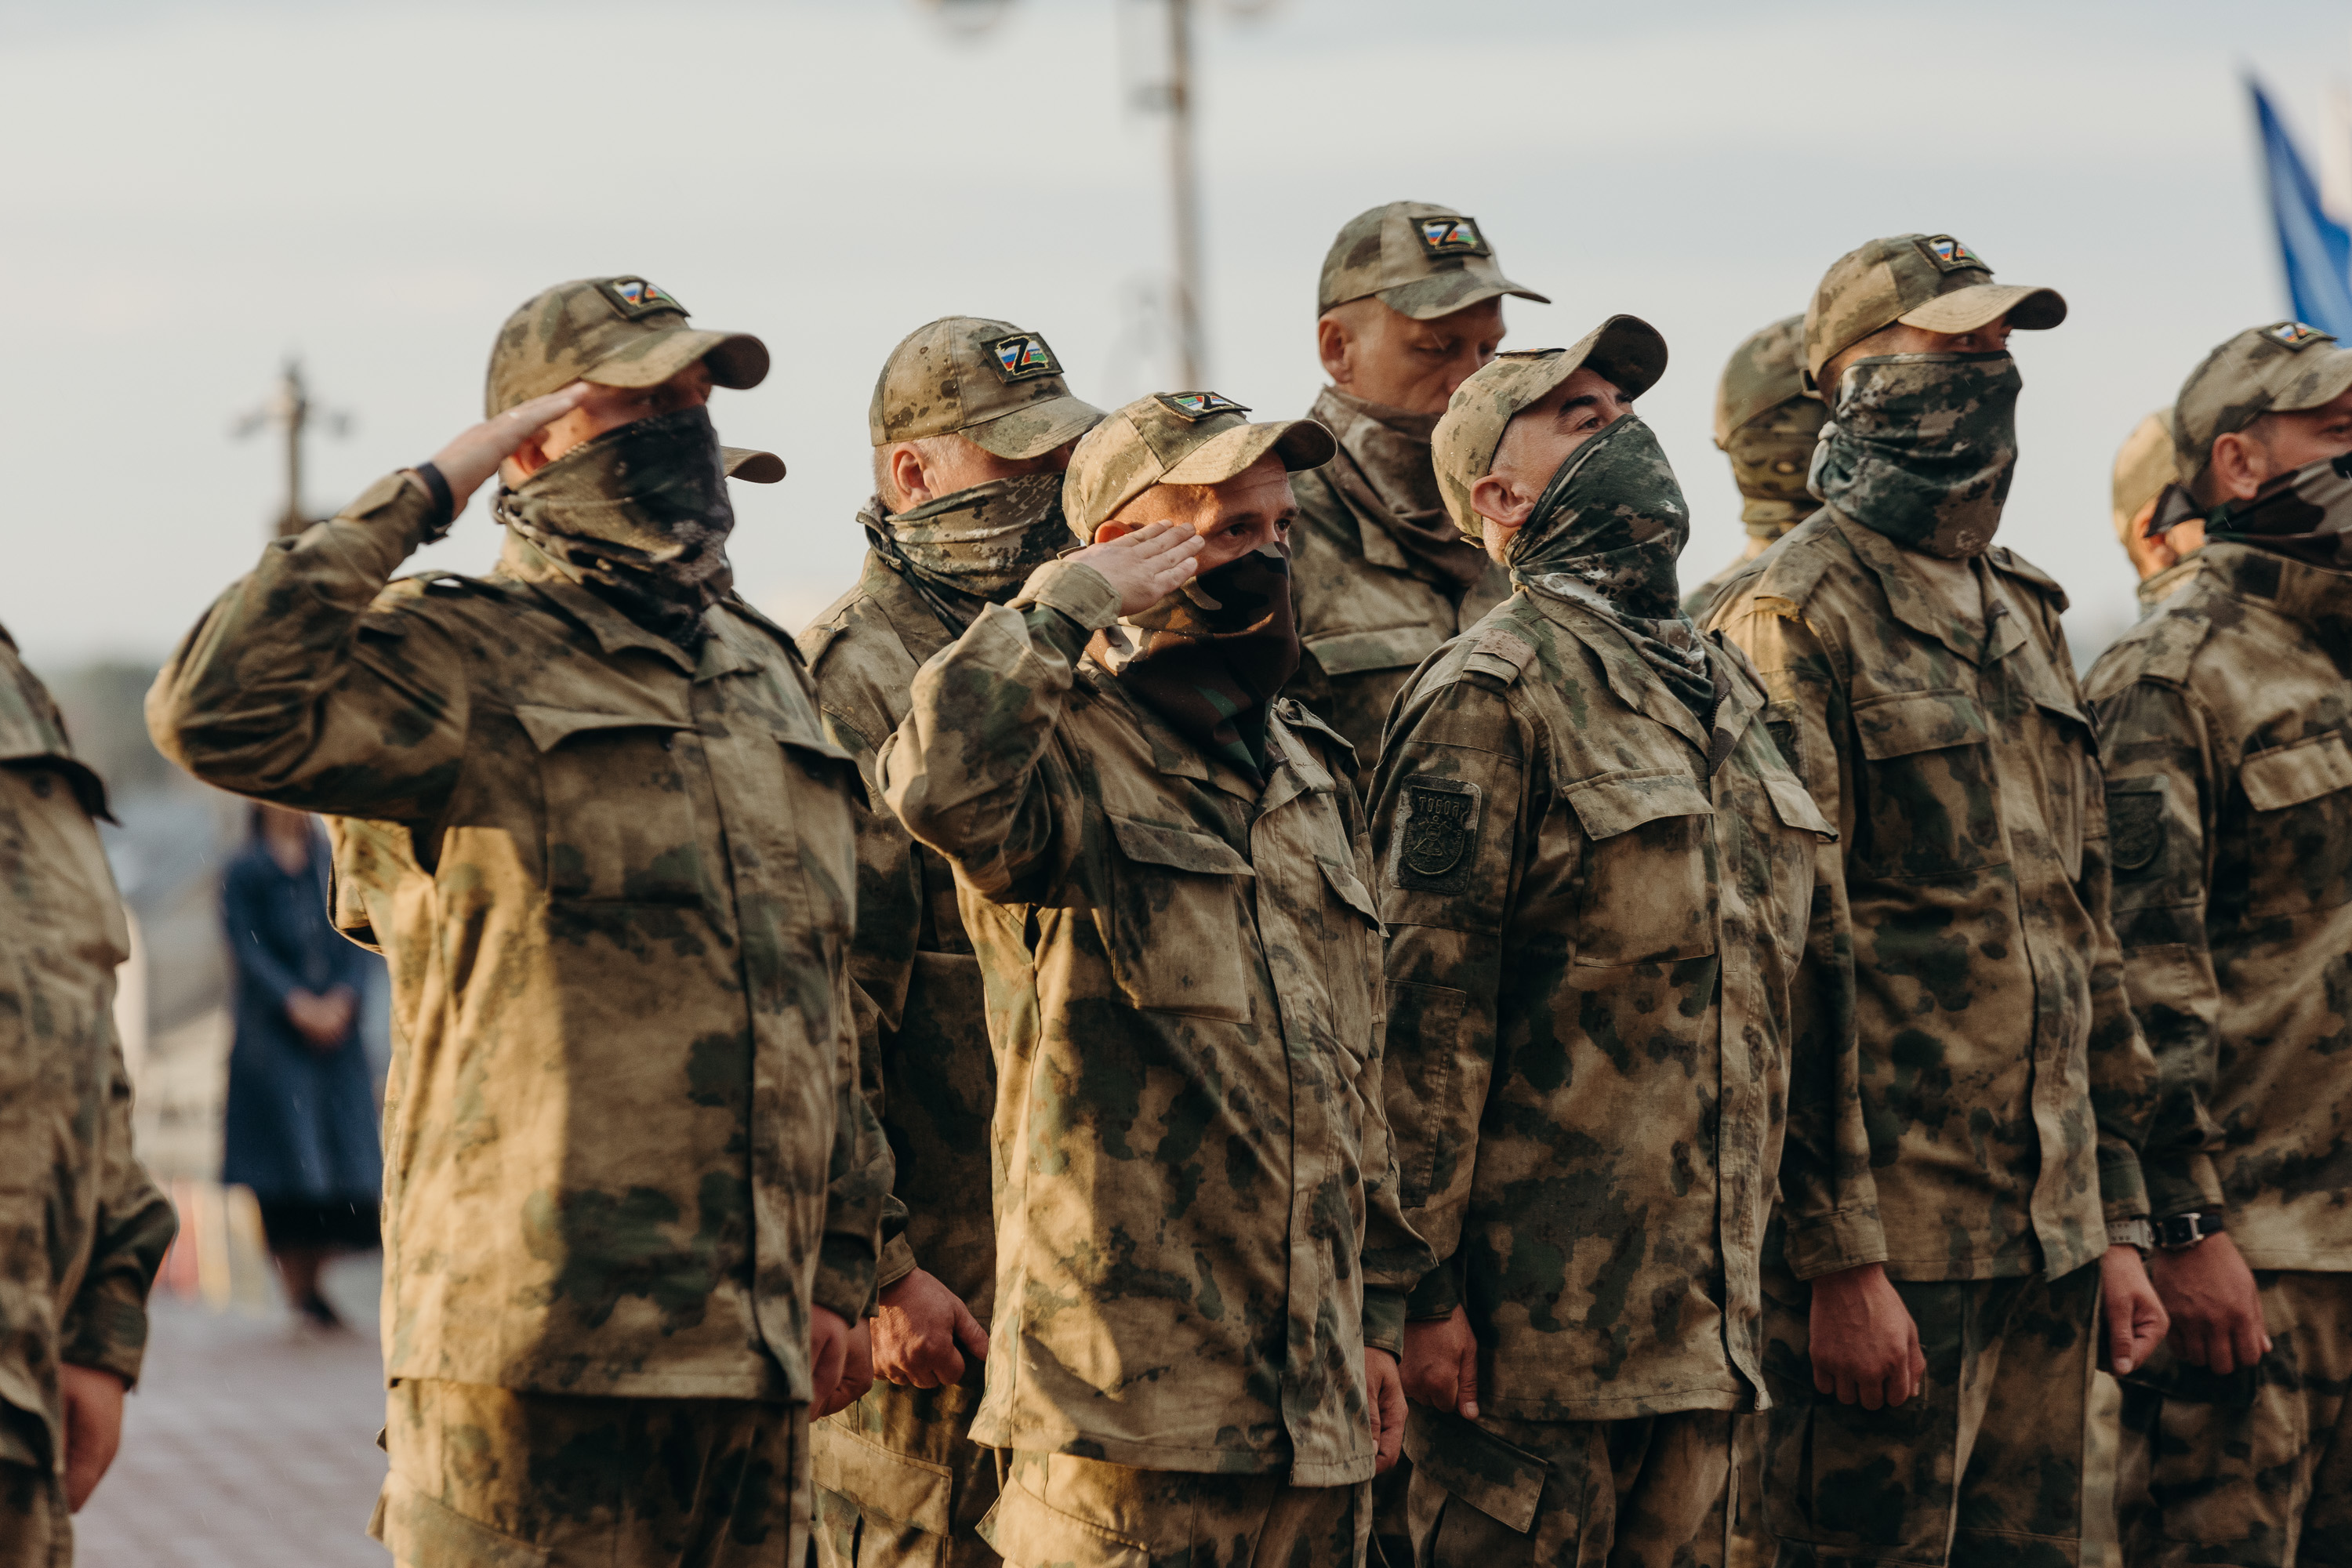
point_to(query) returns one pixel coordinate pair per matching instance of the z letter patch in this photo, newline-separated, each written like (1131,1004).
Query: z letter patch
(637,297)
(2135,827)
(1436,840)
(1950,254)
(1023,356)
(1451,236)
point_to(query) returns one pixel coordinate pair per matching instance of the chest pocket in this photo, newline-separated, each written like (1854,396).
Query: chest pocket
(821,782)
(618,819)
(1351,956)
(1647,897)
(1930,805)
(1176,925)
(2299,833)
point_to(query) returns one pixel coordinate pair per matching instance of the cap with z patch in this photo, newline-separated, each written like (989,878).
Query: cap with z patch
(614,332)
(2283,368)
(1421,259)
(1928,280)
(995,384)
(1178,438)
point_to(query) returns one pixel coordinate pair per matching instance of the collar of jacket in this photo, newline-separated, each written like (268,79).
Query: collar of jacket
(1637,686)
(524,567)
(917,623)
(2296,589)
(1911,601)
(1292,769)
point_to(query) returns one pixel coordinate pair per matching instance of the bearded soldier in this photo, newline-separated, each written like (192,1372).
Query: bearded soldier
(2223,718)
(973,424)
(2144,469)
(1409,303)
(1620,979)
(1921,684)
(1200,1266)
(587,809)
(1766,426)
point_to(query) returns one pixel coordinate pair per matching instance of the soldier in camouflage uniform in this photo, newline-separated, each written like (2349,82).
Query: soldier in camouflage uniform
(973,424)
(2223,716)
(1409,303)
(1921,685)
(1620,977)
(2144,466)
(1200,1265)
(587,809)
(1766,426)
(82,1230)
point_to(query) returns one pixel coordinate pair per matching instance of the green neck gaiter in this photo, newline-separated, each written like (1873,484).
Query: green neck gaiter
(976,545)
(1921,448)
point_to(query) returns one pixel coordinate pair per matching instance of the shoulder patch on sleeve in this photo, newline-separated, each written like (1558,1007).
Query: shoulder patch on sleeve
(2134,823)
(1434,842)
(1499,651)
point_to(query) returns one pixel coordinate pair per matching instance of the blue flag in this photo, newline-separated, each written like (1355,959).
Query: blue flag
(2315,248)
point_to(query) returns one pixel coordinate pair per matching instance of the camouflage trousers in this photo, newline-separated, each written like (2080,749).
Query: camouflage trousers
(1559,1494)
(2253,1470)
(1984,1467)
(36,1530)
(1739,1515)
(1058,1511)
(495,1478)
(901,1483)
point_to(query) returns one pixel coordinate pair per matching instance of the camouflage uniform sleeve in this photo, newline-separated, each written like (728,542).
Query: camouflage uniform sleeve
(1828,1200)
(106,1324)
(2159,798)
(967,771)
(1445,949)
(858,1188)
(291,690)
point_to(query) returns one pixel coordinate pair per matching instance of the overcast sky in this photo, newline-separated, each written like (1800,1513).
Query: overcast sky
(198,191)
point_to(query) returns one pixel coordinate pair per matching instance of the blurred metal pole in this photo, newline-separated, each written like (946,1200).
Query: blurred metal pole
(291,409)
(1184,190)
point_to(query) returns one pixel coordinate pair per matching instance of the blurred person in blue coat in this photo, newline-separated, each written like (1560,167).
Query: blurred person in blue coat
(301,1124)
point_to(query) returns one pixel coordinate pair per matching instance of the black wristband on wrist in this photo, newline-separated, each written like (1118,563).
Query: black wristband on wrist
(445,505)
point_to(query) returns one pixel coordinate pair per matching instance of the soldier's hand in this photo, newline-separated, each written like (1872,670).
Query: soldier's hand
(2217,1312)
(841,1362)
(1864,1346)
(923,1332)
(1440,1365)
(93,1409)
(1147,565)
(475,455)
(1383,1406)
(2136,1320)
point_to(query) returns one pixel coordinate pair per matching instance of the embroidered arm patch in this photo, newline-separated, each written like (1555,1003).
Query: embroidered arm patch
(1434,846)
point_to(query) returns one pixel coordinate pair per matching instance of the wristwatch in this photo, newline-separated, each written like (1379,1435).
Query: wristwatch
(2180,1232)
(2136,1232)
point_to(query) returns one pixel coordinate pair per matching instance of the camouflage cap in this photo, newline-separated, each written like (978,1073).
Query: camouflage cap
(1928,281)
(1766,369)
(751,465)
(1177,438)
(1421,259)
(615,331)
(1625,349)
(995,384)
(2142,467)
(2282,368)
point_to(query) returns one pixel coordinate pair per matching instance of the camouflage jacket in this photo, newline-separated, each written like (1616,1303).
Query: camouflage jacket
(1197,1225)
(2154,591)
(1366,616)
(624,1149)
(2005,1086)
(2225,717)
(82,1230)
(1619,980)
(927,1029)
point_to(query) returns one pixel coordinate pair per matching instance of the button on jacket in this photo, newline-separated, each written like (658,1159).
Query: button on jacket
(625,1146)
(2005,1086)
(2224,718)
(1197,1227)
(1620,1008)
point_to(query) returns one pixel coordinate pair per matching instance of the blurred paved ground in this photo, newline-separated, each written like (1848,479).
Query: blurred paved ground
(250,1442)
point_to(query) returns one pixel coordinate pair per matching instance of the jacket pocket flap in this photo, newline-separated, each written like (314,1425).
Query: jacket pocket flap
(2289,776)
(1614,803)
(550,727)
(1349,888)
(883,1480)
(822,757)
(421,1529)
(1024,1528)
(1390,647)
(1179,848)
(1499,1479)
(1794,805)
(1910,722)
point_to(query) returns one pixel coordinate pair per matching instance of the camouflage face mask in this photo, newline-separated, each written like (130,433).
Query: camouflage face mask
(640,517)
(1920,447)
(2304,515)
(1210,656)
(1769,457)
(982,542)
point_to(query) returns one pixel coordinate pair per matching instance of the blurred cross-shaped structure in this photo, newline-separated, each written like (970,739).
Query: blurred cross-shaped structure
(290,409)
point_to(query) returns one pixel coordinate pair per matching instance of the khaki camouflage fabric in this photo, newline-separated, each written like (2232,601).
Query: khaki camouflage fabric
(2281,368)
(1063,1511)
(491,1477)
(2229,796)
(1983,1466)
(2005,1086)
(82,1228)
(626,1151)
(1197,1228)
(2251,1470)
(1928,280)
(1766,426)
(998,386)
(615,331)
(902,1459)
(1567,1494)
(1422,260)
(1590,926)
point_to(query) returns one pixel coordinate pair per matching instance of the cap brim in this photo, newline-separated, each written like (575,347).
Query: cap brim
(736,360)
(2028,307)
(2329,381)
(751,465)
(1299,443)
(1442,294)
(1034,429)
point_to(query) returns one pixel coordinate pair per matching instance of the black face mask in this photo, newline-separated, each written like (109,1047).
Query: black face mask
(640,517)
(1211,656)
(2304,515)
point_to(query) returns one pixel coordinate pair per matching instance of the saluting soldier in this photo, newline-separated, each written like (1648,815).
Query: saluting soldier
(973,424)
(587,809)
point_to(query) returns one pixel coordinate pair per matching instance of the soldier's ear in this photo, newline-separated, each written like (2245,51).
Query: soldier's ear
(1495,499)
(1336,345)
